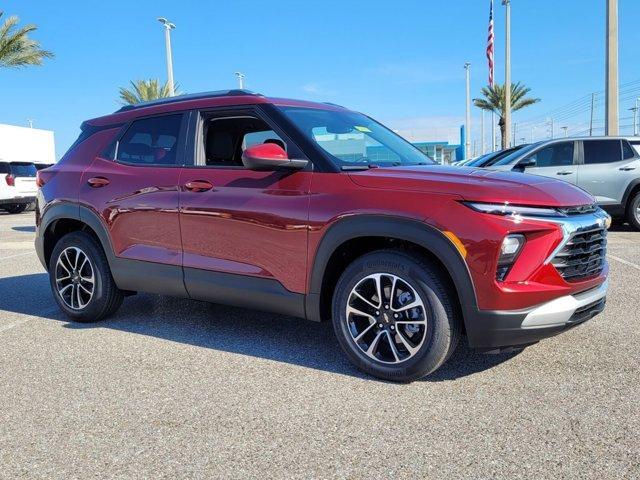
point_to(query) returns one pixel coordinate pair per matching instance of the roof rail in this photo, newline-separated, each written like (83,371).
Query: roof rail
(190,96)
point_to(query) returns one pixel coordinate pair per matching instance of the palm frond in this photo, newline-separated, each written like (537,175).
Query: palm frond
(16,48)
(144,91)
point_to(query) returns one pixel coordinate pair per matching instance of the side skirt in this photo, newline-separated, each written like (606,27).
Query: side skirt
(243,291)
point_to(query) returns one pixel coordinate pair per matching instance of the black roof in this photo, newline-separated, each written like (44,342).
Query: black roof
(191,96)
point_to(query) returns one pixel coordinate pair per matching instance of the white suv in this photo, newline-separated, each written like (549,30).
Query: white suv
(17,186)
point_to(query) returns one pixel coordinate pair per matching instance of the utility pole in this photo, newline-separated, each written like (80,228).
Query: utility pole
(551,123)
(484,150)
(635,119)
(611,116)
(493,131)
(507,71)
(565,131)
(168,26)
(593,103)
(532,130)
(30,122)
(240,76)
(467,124)
(515,126)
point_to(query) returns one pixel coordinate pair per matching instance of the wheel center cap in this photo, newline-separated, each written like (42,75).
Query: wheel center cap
(385,317)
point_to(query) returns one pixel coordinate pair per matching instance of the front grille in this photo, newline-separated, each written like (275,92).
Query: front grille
(583,256)
(578,210)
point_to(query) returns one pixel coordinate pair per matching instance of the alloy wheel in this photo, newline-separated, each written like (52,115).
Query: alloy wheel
(386,318)
(75,280)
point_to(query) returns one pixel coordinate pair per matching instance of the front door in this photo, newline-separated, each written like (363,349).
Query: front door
(558,160)
(248,224)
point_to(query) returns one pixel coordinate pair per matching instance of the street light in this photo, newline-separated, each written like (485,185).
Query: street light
(467,126)
(240,76)
(565,131)
(507,71)
(168,26)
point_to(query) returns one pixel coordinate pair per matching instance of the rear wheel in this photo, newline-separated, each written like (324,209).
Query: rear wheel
(394,316)
(16,207)
(80,279)
(633,212)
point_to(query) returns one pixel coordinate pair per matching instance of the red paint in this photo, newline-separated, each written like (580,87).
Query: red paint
(270,224)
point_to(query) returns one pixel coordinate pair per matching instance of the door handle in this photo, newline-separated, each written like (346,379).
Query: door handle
(198,185)
(98,182)
(563,172)
(627,169)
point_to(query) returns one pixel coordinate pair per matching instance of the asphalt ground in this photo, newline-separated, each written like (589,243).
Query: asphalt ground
(171,388)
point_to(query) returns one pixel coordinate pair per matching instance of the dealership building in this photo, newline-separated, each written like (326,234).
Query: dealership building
(25,144)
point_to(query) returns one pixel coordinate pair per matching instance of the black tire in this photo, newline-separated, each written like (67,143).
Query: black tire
(16,207)
(442,330)
(633,211)
(106,297)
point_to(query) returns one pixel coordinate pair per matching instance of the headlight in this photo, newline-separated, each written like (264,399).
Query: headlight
(509,250)
(507,209)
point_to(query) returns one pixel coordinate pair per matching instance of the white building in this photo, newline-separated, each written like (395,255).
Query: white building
(24,144)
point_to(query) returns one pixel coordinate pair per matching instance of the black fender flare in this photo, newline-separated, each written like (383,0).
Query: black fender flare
(414,231)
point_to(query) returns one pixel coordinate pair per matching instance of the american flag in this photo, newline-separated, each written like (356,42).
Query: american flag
(490,45)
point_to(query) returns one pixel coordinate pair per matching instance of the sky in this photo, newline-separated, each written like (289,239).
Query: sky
(401,62)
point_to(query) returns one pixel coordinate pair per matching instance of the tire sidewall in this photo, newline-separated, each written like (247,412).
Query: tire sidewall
(85,243)
(436,346)
(633,211)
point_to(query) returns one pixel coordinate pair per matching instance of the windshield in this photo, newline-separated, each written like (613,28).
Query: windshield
(514,155)
(353,139)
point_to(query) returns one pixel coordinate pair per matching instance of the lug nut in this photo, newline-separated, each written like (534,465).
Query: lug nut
(392,327)
(379,325)
(386,307)
(395,315)
(377,312)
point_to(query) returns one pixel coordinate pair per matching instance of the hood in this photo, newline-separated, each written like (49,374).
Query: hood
(475,184)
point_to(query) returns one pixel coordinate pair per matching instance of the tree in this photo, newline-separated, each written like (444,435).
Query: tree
(145,90)
(494,101)
(16,48)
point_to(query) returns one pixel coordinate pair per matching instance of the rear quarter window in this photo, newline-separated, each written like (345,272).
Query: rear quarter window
(602,151)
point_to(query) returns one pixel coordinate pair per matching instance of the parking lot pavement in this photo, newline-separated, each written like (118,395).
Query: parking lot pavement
(175,388)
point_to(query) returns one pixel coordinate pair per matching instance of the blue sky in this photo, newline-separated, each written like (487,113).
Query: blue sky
(401,62)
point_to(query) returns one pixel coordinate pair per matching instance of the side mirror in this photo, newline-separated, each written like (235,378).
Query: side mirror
(268,157)
(525,163)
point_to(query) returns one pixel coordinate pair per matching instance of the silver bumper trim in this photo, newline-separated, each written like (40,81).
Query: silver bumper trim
(558,312)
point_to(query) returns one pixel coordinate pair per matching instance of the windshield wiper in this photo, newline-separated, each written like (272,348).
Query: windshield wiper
(358,167)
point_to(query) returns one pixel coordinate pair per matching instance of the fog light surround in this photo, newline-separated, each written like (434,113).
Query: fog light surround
(509,250)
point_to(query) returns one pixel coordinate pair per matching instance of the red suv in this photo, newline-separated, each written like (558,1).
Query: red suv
(319,212)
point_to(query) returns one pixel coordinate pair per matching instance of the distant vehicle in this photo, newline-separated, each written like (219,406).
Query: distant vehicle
(606,167)
(493,157)
(17,186)
(461,163)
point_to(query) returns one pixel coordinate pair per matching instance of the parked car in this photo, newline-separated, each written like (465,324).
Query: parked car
(606,167)
(493,157)
(17,186)
(279,205)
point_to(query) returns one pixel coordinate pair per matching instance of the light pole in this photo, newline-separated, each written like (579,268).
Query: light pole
(483,149)
(551,124)
(240,76)
(532,130)
(611,116)
(507,71)
(635,119)
(467,125)
(565,131)
(168,26)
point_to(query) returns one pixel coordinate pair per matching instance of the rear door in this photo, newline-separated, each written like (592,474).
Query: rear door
(133,187)
(24,175)
(607,167)
(557,160)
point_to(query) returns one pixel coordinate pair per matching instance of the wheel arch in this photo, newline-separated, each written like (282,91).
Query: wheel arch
(630,192)
(365,229)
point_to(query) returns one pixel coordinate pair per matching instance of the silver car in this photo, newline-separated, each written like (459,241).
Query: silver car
(606,167)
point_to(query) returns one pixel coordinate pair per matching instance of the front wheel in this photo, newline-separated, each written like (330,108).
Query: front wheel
(81,280)
(394,316)
(633,212)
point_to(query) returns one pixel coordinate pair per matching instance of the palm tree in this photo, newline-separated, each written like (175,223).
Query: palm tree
(16,48)
(145,90)
(494,101)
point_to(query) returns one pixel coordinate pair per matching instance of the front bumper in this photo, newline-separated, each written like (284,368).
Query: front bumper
(500,330)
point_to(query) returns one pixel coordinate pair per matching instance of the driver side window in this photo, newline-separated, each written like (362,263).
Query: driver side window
(556,155)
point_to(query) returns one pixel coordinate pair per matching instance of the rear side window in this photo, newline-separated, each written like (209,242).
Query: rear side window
(602,151)
(636,145)
(151,141)
(4,167)
(627,151)
(556,155)
(22,169)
